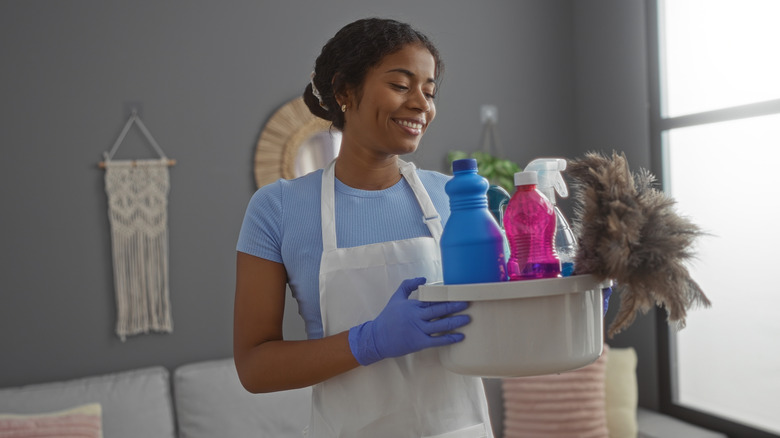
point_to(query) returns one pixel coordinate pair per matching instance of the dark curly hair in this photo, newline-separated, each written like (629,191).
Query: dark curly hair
(346,58)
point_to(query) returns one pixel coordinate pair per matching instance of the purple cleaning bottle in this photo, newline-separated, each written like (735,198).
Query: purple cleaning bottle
(529,223)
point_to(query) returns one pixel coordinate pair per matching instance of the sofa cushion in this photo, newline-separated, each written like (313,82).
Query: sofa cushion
(134,403)
(210,402)
(622,392)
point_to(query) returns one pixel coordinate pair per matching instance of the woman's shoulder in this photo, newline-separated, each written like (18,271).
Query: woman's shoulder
(275,209)
(303,186)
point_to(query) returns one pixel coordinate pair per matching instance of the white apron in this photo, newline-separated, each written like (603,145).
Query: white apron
(411,396)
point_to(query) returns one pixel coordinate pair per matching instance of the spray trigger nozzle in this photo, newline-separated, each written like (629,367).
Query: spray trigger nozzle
(549,171)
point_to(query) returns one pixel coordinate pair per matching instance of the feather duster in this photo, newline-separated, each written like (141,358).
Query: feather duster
(629,232)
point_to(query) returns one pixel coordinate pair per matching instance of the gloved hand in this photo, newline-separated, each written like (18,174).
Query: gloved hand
(606,293)
(405,326)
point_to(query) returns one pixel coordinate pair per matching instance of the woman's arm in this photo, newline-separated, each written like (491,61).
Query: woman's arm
(264,360)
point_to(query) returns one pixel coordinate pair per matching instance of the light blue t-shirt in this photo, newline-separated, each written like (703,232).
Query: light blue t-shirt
(282,224)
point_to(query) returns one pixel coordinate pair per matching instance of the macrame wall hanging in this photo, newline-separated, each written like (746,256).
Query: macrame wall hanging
(138,214)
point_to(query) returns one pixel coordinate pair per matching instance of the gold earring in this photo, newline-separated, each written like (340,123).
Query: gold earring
(344,108)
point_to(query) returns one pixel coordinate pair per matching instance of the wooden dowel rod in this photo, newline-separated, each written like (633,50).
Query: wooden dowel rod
(171,162)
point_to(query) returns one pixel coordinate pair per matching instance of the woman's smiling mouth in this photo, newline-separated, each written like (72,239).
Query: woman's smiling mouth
(413,127)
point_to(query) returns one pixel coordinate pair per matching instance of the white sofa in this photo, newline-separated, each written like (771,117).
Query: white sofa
(206,400)
(199,400)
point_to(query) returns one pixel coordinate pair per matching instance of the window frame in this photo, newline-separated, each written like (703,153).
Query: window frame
(659,125)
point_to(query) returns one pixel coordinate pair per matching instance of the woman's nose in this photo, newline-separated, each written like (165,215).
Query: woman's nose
(420,101)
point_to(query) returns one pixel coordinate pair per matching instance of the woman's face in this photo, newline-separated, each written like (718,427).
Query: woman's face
(396,106)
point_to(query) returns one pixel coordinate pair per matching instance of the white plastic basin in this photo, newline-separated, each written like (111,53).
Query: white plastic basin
(524,328)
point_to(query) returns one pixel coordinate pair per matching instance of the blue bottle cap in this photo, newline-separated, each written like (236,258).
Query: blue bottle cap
(464,164)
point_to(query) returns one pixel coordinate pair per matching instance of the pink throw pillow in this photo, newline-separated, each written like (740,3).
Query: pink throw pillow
(567,405)
(80,422)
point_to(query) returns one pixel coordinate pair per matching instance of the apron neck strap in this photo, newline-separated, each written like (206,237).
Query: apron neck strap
(430,215)
(328,203)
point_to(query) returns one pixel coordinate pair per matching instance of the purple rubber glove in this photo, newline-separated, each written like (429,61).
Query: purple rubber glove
(606,293)
(405,326)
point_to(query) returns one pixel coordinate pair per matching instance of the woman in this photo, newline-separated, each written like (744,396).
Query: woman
(353,241)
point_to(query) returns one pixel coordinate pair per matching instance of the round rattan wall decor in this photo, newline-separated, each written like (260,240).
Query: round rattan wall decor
(282,136)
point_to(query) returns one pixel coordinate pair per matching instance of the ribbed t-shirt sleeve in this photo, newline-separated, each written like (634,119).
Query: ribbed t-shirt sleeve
(261,231)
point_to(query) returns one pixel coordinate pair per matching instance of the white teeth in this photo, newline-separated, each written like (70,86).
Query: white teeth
(410,124)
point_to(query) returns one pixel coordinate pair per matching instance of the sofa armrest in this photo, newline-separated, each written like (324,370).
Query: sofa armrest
(654,424)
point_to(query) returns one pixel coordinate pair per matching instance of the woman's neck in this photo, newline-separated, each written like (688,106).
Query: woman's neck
(367,172)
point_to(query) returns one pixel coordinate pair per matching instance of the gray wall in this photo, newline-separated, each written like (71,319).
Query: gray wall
(612,114)
(567,76)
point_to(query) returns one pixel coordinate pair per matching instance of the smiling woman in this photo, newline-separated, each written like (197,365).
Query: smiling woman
(353,241)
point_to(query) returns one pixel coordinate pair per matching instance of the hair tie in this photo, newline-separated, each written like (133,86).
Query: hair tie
(316,92)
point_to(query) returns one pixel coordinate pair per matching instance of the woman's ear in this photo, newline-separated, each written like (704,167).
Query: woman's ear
(344,94)
(342,97)
(346,100)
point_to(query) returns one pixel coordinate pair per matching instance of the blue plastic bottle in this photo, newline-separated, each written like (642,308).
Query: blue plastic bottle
(529,223)
(472,247)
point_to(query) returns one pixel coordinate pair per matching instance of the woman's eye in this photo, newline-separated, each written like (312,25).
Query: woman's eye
(404,88)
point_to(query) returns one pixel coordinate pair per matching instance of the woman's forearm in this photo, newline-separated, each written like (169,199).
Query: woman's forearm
(280,365)
(264,360)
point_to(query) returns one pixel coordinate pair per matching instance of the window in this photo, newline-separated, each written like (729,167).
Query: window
(716,140)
